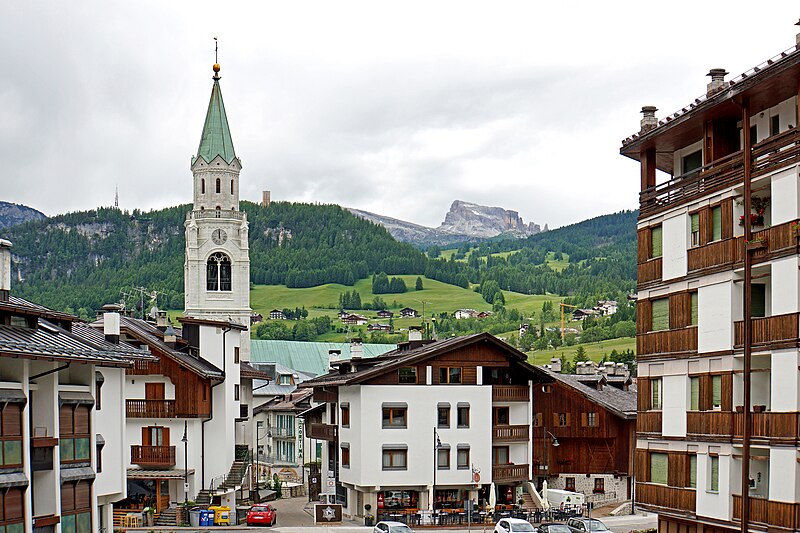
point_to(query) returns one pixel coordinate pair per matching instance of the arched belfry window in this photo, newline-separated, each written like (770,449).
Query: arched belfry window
(203,186)
(219,186)
(218,272)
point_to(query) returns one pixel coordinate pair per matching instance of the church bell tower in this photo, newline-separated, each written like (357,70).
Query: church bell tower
(217,266)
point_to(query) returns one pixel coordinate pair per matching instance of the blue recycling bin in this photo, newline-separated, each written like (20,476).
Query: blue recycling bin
(206,518)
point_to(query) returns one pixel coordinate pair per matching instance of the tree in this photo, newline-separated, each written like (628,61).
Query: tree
(434,252)
(580,355)
(270,330)
(418,285)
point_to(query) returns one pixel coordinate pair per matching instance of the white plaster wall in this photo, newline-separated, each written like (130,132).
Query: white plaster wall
(783,467)
(678,156)
(110,422)
(710,504)
(785,381)
(785,196)
(785,279)
(135,387)
(675,244)
(674,406)
(715,323)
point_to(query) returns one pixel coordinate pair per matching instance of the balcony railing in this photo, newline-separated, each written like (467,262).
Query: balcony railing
(678,498)
(153,455)
(776,152)
(281,431)
(142,368)
(511,433)
(778,514)
(670,341)
(501,473)
(715,254)
(510,393)
(650,271)
(216,213)
(150,408)
(711,423)
(322,431)
(769,330)
(276,459)
(773,426)
(648,422)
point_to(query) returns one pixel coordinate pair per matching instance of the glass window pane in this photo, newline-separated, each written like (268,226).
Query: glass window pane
(660,311)
(67,450)
(68,524)
(84,523)
(463,458)
(444,417)
(716,223)
(655,385)
(455,375)
(694,308)
(12,452)
(714,479)
(716,391)
(15,528)
(759,300)
(657,241)
(693,471)
(694,386)
(658,468)
(695,218)
(387,459)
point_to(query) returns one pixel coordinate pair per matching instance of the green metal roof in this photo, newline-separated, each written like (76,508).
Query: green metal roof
(311,357)
(216,139)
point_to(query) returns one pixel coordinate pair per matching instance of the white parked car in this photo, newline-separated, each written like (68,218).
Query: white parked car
(513,525)
(388,526)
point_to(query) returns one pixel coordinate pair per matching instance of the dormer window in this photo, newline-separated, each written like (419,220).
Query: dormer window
(218,272)
(285,379)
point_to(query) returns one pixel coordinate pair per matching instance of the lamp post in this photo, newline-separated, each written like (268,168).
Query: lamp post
(555,444)
(185,441)
(437,444)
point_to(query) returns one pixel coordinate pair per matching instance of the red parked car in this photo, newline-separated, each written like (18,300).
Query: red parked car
(262,515)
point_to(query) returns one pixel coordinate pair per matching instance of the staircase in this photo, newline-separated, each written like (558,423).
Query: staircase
(168,517)
(527,502)
(203,498)
(238,468)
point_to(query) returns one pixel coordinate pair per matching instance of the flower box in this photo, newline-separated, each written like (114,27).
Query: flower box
(755,220)
(756,244)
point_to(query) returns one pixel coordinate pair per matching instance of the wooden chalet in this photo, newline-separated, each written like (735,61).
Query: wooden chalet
(408,312)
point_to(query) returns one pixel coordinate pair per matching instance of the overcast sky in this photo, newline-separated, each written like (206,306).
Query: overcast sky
(393,107)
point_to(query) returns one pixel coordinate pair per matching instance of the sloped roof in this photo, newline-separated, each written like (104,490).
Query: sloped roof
(309,357)
(274,388)
(216,138)
(620,402)
(294,401)
(247,371)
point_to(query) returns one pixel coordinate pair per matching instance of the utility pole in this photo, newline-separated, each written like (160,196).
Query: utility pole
(748,322)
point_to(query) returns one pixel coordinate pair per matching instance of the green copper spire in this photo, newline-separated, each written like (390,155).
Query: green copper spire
(216,139)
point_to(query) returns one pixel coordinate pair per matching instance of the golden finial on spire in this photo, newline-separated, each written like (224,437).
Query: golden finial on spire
(216,66)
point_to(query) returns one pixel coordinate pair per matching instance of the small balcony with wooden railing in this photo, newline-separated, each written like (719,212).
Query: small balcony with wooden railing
(656,496)
(649,422)
(680,341)
(322,431)
(772,331)
(515,433)
(153,456)
(773,514)
(510,393)
(150,408)
(775,427)
(714,425)
(510,473)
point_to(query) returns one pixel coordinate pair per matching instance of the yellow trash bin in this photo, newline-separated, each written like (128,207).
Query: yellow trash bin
(222,514)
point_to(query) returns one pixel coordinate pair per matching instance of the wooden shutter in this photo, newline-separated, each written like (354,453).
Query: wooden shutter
(555,420)
(567,416)
(644,245)
(680,310)
(642,466)
(12,420)
(146,436)
(154,391)
(66,426)
(705,226)
(727,392)
(705,392)
(676,475)
(165,434)
(643,397)
(584,422)
(67,497)
(14,506)
(82,495)
(82,420)
(644,316)
(727,218)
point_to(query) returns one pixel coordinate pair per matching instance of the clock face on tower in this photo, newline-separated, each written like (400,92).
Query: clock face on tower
(219,236)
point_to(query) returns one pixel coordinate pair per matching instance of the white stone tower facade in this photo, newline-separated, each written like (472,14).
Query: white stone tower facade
(217,265)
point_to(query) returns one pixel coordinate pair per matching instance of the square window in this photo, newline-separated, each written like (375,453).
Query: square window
(394,417)
(599,485)
(569,484)
(443,418)
(395,459)
(407,374)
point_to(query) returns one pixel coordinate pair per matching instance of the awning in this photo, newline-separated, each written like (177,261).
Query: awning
(76,474)
(13,479)
(138,473)
(73,397)
(12,395)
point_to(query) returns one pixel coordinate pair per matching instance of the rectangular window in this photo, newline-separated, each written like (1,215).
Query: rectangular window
(716,223)
(693,161)
(462,457)
(713,479)
(236,393)
(655,391)
(695,229)
(569,484)
(562,419)
(499,455)
(656,239)
(692,471)
(774,125)
(443,458)
(716,392)
(537,420)
(346,455)
(443,416)
(407,374)
(11,433)
(74,439)
(658,468)
(591,420)
(395,459)
(395,417)
(345,416)
(599,485)
(236,354)
(758,306)
(660,314)
(501,416)
(694,393)
(694,315)
(753,134)
(463,416)
(449,375)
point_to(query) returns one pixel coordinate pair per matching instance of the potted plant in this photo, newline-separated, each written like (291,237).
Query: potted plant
(369,520)
(756,243)
(147,515)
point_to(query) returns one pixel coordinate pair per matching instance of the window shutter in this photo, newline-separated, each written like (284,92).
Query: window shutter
(65,420)
(694,386)
(555,420)
(693,471)
(82,420)
(145,436)
(694,309)
(12,420)
(657,245)
(165,438)
(567,415)
(716,391)
(660,314)
(584,421)
(658,468)
(82,495)
(67,497)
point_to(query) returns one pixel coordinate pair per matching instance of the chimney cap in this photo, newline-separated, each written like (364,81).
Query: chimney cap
(5,243)
(649,109)
(717,72)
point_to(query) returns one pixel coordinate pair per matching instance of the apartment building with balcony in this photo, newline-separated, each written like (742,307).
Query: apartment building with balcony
(425,426)
(693,355)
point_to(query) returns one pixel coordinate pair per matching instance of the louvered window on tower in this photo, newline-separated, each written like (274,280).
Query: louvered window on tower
(218,272)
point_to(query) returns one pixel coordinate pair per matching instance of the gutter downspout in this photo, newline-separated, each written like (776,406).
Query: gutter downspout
(211,413)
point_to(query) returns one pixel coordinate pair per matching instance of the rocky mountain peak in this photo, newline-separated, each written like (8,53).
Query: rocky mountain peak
(466,218)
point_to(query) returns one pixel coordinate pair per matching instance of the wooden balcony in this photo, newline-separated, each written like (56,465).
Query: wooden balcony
(716,254)
(779,329)
(511,433)
(670,341)
(775,152)
(510,393)
(508,473)
(150,408)
(662,496)
(710,423)
(322,432)
(771,513)
(648,422)
(153,455)
(649,271)
(777,427)
(142,368)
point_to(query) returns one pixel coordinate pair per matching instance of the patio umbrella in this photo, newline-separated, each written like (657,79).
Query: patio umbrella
(544,495)
(492,496)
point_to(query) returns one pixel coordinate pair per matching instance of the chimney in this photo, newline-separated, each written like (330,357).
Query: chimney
(170,338)
(717,81)
(5,269)
(797,38)
(356,349)
(621,369)
(111,327)
(334,356)
(649,120)
(414,333)
(555,365)
(161,320)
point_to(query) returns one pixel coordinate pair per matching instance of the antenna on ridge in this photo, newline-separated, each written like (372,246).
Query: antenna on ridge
(216,50)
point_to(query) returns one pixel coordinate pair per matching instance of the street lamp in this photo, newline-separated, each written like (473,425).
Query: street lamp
(554,442)
(185,441)
(437,445)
